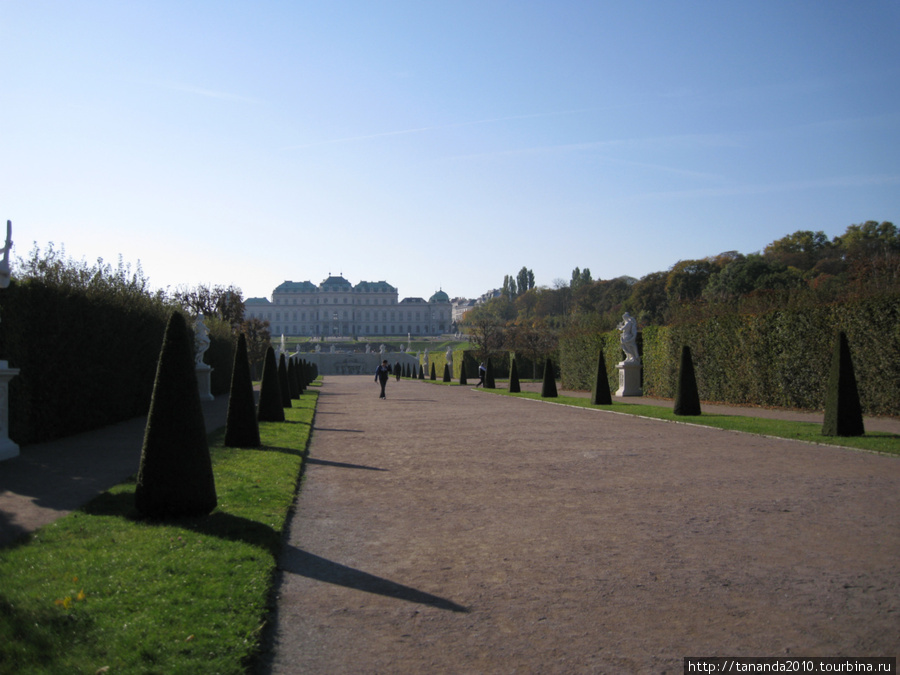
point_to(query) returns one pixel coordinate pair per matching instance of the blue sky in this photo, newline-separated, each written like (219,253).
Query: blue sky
(441,144)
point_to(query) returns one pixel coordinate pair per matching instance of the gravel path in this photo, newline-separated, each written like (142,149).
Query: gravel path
(448,530)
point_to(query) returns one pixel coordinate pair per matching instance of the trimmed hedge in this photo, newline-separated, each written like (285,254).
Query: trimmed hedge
(781,358)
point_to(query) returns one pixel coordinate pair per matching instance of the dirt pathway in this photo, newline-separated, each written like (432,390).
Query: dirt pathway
(447,530)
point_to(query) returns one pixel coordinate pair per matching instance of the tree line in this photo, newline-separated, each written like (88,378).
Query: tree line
(802,268)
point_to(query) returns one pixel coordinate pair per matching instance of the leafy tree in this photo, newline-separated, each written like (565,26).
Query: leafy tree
(175,477)
(525,280)
(486,324)
(580,278)
(259,339)
(533,340)
(747,274)
(241,427)
(802,249)
(225,302)
(687,279)
(648,301)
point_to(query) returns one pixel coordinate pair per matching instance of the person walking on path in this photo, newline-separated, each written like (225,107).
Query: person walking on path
(482,371)
(381,375)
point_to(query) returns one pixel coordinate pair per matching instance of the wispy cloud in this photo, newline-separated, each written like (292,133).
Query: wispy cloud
(437,127)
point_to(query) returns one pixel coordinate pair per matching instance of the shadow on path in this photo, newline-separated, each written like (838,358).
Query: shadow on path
(341,465)
(302,563)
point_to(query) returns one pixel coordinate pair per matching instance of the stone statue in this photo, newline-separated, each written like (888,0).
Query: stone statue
(449,357)
(628,339)
(318,349)
(283,348)
(4,262)
(201,339)
(368,348)
(381,350)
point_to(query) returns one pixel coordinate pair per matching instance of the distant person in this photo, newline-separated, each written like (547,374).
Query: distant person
(381,375)
(482,371)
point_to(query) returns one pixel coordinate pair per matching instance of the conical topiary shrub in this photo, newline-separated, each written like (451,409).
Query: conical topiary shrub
(600,395)
(462,372)
(175,477)
(293,383)
(433,375)
(283,384)
(397,371)
(241,427)
(514,386)
(447,372)
(687,398)
(421,372)
(548,387)
(489,382)
(270,408)
(843,411)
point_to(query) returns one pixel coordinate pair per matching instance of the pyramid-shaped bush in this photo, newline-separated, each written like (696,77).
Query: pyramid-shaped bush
(241,427)
(175,477)
(843,411)
(548,387)
(447,372)
(489,382)
(514,386)
(433,375)
(270,408)
(462,372)
(397,371)
(421,372)
(293,380)
(600,395)
(283,384)
(687,397)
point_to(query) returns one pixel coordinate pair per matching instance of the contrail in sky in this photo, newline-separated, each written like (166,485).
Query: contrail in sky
(418,130)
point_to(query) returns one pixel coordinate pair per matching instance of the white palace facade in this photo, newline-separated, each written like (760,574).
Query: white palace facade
(336,308)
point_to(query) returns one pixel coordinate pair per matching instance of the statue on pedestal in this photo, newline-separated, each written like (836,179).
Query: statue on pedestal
(4,262)
(628,340)
(201,339)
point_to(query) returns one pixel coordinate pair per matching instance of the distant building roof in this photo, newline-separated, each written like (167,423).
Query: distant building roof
(413,301)
(335,283)
(440,296)
(257,301)
(374,287)
(295,287)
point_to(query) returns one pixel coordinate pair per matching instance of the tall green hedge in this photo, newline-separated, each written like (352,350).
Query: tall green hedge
(776,359)
(87,360)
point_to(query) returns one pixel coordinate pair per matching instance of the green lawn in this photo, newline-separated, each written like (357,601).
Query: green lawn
(102,589)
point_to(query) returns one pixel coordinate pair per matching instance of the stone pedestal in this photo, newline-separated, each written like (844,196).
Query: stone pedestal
(8,449)
(203,381)
(629,379)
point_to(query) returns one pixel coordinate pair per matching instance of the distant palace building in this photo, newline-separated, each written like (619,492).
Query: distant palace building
(336,308)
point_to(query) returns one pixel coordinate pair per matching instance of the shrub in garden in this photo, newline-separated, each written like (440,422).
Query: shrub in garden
(687,398)
(175,477)
(293,383)
(397,370)
(489,382)
(270,408)
(241,427)
(843,412)
(283,385)
(433,374)
(548,388)
(514,386)
(446,372)
(600,395)
(462,372)
(421,372)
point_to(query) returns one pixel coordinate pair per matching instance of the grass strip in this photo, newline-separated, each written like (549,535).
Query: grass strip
(809,432)
(101,590)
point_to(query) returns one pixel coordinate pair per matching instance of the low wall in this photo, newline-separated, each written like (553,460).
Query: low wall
(355,364)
